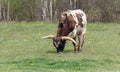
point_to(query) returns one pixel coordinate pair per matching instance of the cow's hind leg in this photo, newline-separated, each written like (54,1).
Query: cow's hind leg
(81,41)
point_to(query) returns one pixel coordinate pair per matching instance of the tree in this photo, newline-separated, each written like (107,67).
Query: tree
(50,8)
(8,10)
(0,10)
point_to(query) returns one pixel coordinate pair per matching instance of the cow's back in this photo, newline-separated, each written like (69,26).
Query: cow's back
(81,13)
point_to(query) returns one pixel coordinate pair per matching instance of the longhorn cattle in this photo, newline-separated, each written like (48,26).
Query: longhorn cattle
(72,24)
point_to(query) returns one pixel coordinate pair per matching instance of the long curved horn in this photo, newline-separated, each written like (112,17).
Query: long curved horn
(68,38)
(48,37)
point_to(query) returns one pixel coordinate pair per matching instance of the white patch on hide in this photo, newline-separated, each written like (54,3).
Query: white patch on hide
(81,13)
(77,28)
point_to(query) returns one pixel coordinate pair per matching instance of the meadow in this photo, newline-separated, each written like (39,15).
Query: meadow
(23,50)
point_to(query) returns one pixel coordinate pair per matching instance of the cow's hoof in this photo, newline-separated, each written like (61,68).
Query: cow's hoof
(60,52)
(75,51)
(80,50)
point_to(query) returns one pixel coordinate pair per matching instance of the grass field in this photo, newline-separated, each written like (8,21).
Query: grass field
(23,50)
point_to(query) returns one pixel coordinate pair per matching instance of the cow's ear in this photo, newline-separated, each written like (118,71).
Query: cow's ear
(60,24)
(57,38)
(60,21)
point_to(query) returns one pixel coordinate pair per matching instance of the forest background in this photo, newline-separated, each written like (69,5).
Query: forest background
(50,10)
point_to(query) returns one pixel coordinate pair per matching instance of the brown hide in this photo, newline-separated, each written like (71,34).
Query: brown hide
(79,20)
(67,24)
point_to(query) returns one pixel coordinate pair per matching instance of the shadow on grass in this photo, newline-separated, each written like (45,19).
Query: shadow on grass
(65,51)
(52,52)
(69,51)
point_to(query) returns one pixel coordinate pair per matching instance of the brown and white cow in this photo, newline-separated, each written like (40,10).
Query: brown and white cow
(72,24)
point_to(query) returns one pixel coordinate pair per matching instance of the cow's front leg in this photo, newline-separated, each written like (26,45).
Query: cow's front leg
(81,41)
(74,45)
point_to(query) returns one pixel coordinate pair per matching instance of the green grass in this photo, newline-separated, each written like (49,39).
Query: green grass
(23,50)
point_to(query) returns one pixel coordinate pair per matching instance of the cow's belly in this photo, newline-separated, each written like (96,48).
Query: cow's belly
(76,31)
(79,30)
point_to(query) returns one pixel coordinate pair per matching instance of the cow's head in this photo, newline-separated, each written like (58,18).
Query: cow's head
(59,42)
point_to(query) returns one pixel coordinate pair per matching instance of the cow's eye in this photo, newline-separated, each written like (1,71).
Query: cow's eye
(55,44)
(58,42)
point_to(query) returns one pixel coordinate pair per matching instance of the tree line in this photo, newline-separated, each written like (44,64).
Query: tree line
(50,10)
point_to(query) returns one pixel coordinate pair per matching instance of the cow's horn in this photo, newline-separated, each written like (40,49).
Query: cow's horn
(68,38)
(48,37)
